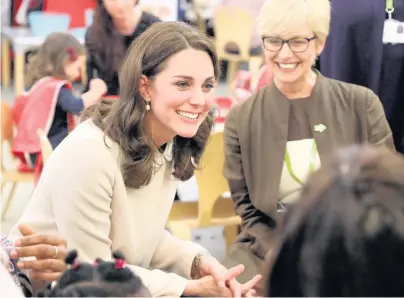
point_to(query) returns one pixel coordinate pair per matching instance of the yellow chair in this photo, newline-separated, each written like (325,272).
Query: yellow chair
(211,209)
(46,147)
(11,176)
(234,26)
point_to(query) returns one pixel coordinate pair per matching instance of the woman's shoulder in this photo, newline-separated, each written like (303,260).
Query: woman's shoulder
(347,91)
(86,155)
(146,21)
(87,140)
(149,18)
(86,131)
(241,113)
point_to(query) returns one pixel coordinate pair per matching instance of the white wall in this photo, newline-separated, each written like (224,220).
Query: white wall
(167,10)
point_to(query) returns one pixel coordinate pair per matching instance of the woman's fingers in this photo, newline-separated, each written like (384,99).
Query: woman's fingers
(43,265)
(46,276)
(231,281)
(25,230)
(251,284)
(251,293)
(36,239)
(40,251)
(234,272)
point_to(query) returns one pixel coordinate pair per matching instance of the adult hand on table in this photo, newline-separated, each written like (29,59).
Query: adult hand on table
(49,252)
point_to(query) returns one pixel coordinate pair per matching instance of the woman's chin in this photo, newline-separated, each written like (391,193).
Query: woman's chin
(187,133)
(288,78)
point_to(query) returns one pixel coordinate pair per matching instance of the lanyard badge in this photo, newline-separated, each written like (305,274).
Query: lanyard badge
(393,31)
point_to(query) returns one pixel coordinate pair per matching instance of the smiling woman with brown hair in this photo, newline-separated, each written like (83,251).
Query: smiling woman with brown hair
(111,184)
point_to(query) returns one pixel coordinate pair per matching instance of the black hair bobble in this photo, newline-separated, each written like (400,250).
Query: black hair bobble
(115,270)
(71,259)
(97,279)
(119,260)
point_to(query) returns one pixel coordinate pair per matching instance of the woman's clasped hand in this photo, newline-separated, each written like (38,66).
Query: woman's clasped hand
(217,281)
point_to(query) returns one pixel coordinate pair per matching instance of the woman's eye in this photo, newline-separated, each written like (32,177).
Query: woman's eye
(182,84)
(208,87)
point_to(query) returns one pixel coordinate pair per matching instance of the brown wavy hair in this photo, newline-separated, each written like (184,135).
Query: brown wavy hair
(124,120)
(51,57)
(105,44)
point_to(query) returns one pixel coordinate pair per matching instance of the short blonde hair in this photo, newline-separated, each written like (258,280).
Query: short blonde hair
(277,16)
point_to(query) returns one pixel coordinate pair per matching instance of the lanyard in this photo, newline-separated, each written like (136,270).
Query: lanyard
(312,162)
(390,8)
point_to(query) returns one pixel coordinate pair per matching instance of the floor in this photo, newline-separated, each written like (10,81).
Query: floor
(212,238)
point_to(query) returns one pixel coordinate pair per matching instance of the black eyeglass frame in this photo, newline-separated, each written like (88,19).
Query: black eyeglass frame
(287,42)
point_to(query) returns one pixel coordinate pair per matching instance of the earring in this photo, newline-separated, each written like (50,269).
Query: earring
(147,106)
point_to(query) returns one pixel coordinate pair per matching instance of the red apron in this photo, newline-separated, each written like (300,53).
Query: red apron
(35,110)
(244,87)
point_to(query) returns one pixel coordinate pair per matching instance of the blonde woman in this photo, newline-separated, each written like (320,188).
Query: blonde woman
(286,130)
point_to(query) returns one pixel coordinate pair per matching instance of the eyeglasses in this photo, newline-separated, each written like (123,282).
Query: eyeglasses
(296,44)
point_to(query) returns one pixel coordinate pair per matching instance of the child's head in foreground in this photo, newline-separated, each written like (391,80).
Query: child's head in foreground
(345,237)
(100,279)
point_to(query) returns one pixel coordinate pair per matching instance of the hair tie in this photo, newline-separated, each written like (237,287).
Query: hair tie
(71,259)
(72,53)
(97,262)
(119,263)
(74,265)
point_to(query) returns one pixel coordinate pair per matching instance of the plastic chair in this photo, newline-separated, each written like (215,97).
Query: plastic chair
(76,9)
(212,209)
(233,25)
(11,176)
(42,23)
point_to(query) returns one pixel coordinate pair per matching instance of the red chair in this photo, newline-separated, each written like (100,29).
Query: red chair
(13,175)
(223,105)
(75,8)
(15,6)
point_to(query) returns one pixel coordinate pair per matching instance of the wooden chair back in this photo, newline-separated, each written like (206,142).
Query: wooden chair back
(211,182)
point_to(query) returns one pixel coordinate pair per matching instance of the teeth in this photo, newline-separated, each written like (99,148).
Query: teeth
(288,66)
(188,115)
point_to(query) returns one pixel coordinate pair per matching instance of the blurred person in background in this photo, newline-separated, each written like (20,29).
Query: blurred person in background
(366,47)
(116,24)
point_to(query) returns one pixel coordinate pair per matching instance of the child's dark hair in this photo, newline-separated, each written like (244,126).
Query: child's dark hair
(345,237)
(51,57)
(100,279)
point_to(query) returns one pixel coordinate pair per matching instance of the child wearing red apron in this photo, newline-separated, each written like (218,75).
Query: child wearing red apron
(50,105)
